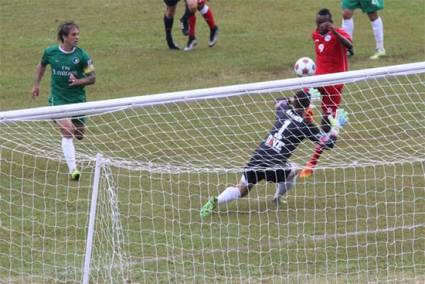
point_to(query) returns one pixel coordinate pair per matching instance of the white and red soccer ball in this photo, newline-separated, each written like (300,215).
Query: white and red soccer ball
(305,66)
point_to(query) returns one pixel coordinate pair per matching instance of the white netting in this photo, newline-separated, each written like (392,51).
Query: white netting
(360,218)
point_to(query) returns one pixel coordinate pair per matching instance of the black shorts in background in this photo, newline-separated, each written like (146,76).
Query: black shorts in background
(171,2)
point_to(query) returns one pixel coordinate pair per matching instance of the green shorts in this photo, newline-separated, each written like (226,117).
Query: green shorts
(76,120)
(367,6)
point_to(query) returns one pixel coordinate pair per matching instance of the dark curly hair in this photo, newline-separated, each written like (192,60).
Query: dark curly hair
(65,28)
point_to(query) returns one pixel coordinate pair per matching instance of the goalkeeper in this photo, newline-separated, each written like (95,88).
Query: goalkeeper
(270,159)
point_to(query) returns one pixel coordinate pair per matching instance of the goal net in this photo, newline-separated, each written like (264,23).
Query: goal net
(149,163)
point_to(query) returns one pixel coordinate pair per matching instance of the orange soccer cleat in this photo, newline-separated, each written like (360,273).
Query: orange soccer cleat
(307,171)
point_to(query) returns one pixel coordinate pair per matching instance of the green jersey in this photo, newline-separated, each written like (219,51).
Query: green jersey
(62,64)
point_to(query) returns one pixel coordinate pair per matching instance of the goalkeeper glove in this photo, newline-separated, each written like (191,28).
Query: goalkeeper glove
(314,94)
(339,121)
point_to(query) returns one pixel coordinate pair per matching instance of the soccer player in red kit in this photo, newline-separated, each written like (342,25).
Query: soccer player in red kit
(331,46)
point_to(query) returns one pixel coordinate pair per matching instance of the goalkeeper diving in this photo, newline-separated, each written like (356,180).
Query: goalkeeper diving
(270,160)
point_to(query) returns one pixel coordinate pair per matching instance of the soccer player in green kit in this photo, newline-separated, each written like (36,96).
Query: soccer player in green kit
(71,70)
(371,8)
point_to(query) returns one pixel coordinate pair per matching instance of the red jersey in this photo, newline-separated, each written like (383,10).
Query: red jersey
(331,54)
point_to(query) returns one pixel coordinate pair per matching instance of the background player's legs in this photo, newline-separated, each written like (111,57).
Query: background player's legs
(348,25)
(168,25)
(207,13)
(192,6)
(378,32)
(184,21)
(67,130)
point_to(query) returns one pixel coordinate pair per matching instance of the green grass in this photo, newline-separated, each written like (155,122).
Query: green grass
(359,223)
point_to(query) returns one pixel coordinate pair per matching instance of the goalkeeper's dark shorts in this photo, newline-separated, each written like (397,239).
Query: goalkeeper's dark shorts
(171,2)
(261,167)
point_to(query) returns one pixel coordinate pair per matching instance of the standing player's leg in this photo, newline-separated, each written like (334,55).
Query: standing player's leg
(208,15)
(67,130)
(184,20)
(348,7)
(283,187)
(331,99)
(79,127)
(192,6)
(348,26)
(170,10)
(377,26)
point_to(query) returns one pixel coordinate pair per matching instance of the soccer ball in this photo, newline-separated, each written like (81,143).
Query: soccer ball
(305,66)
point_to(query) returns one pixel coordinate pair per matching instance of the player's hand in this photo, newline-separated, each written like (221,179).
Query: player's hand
(314,94)
(35,92)
(326,26)
(331,27)
(340,120)
(73,81)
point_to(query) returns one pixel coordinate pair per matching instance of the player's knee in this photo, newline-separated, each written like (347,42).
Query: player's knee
(66,132)
(244,190)
(244,186)
(373,16)
(192,6)
(170,11)
(347,14)
(79,136)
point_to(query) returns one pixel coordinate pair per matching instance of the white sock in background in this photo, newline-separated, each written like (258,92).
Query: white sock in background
(348,26)
(378,31)
(229,194)
(69,153)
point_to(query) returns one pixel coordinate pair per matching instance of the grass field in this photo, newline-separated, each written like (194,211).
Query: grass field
(355,224)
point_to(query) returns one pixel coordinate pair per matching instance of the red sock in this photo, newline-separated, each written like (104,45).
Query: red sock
(318,150)
(192,24)
(209,18)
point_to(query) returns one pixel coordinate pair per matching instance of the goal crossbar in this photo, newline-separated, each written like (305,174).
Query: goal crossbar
(111,105)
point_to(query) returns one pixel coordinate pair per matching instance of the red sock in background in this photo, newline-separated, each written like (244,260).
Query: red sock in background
(192,25)
(208,16)
(318,150)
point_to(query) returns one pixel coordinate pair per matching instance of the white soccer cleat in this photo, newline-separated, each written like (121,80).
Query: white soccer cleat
(213,37)
(191,44)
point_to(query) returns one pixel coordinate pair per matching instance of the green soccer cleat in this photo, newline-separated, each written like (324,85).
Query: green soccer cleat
(208,207)
(377,54)
(75,175)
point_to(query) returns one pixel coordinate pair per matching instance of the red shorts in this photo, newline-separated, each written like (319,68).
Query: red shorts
(331,98)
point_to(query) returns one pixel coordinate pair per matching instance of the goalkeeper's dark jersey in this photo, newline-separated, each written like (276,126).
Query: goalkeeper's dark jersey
(288,132)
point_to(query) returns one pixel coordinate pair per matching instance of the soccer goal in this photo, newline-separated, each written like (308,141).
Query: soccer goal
(149,163)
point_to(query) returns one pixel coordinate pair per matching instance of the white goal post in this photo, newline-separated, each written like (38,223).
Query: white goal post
(149,163)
